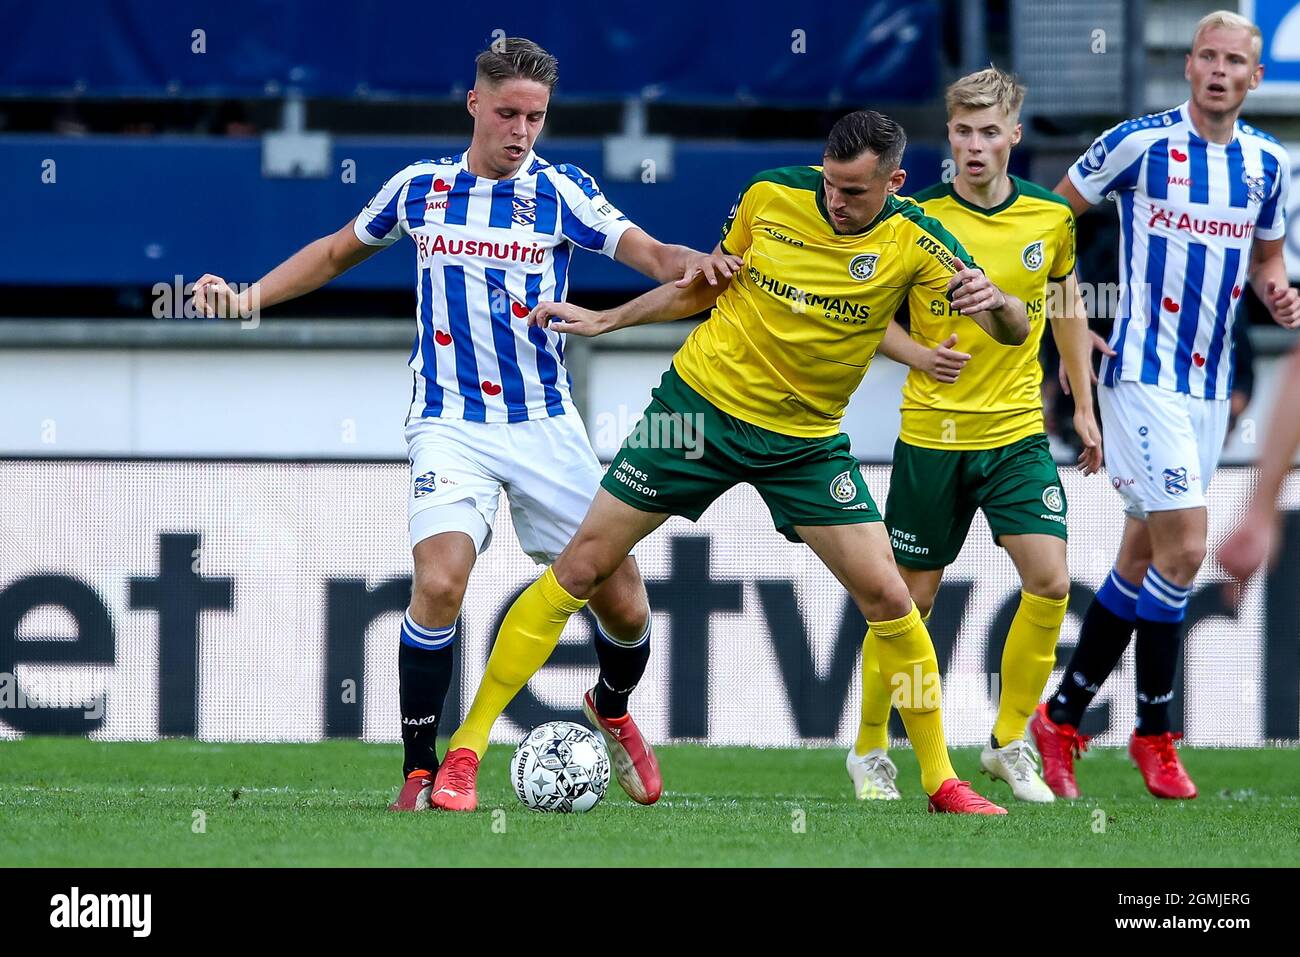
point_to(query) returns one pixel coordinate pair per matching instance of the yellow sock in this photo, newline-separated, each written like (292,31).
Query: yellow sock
(873,730)
(1027,660)
(911,671)
(527,637)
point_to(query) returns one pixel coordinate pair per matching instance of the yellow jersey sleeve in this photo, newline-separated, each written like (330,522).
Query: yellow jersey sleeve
(1063,263)
(737,233)
(936,253)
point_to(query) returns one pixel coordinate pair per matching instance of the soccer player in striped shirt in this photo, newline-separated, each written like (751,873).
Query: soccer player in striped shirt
(1202,201)
(829,254)
(494,229)
(978,441)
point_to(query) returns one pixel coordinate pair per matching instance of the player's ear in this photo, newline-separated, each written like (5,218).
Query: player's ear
(471,103)
(896,179)
(1257,77)
(1016,134)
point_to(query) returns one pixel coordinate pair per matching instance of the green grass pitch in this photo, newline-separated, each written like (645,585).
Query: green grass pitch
(72,802)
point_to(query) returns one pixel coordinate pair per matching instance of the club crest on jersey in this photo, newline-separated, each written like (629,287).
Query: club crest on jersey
(525,212)
(1052,499)
(1032,256)
(1176,480)
(842,488)
(1255,186)
(425,484)
(1095,158)
(863,267)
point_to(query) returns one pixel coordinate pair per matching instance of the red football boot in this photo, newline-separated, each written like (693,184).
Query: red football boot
(414,795)
(1058,745)
(633,758)
(1155,757)
(958,797)
(455,788)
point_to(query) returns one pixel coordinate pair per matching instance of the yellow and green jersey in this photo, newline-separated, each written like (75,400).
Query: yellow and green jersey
(1023,244)
(790,339)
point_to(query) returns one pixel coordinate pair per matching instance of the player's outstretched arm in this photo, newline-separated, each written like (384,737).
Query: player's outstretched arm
(1247,547)
(943,362)
(1269,280)
(665,263)
(662,304)
(1002,316)
(1069,318)
(306,270)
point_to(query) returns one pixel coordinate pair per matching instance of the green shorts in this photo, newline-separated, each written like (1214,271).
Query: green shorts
(684,452)
(934,493)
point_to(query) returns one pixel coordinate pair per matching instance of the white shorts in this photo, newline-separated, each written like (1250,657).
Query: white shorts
(458,470)
(1161,447)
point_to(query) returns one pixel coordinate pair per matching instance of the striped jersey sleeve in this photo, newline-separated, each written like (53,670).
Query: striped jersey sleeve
(587,217)
(1113,163)
(382,221)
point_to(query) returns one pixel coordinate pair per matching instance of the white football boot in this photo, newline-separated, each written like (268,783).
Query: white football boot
(873,775)
(1017,764)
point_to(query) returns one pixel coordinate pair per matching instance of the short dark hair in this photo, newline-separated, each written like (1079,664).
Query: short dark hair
(515,58)
(856,133)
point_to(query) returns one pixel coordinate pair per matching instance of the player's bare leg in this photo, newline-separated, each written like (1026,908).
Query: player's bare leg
(1028,656)
(623,647)
(531,629)
(425,657)
(861,558)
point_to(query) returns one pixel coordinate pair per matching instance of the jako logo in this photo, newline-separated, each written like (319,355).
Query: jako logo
(103,910)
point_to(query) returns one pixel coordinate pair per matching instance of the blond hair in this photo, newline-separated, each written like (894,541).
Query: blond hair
(985,88)
(1232,21)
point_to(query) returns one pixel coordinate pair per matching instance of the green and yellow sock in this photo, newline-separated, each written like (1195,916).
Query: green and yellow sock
(527,637)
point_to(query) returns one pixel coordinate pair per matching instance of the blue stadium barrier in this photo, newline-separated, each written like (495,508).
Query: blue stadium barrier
(136,211)
(728,51)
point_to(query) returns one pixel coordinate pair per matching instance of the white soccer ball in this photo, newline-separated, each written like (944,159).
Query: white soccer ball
(560,766)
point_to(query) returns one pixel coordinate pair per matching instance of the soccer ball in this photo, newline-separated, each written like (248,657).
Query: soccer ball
(560,766)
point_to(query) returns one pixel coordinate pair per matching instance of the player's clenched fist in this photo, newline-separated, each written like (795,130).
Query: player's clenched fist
(566,317)
(1283,305)
(214,298)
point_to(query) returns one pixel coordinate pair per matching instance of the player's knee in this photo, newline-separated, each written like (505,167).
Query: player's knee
(1185,560)
(626,617)
(1052,584)
(436,593)
(580,570)
(888,602)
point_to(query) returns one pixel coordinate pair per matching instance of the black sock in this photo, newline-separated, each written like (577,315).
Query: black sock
(423,675)
(621,667)
(1102,639)
(1156,659)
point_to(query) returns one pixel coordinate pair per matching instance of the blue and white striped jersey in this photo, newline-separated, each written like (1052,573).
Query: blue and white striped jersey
(1188,211)
(487,251)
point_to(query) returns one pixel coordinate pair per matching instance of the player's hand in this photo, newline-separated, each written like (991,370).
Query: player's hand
(1085,427)
(566,317)
(214,298)
(714,267)
(943,362)
(1283,305)
(1242,552)
(972,292)
(1098,345)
